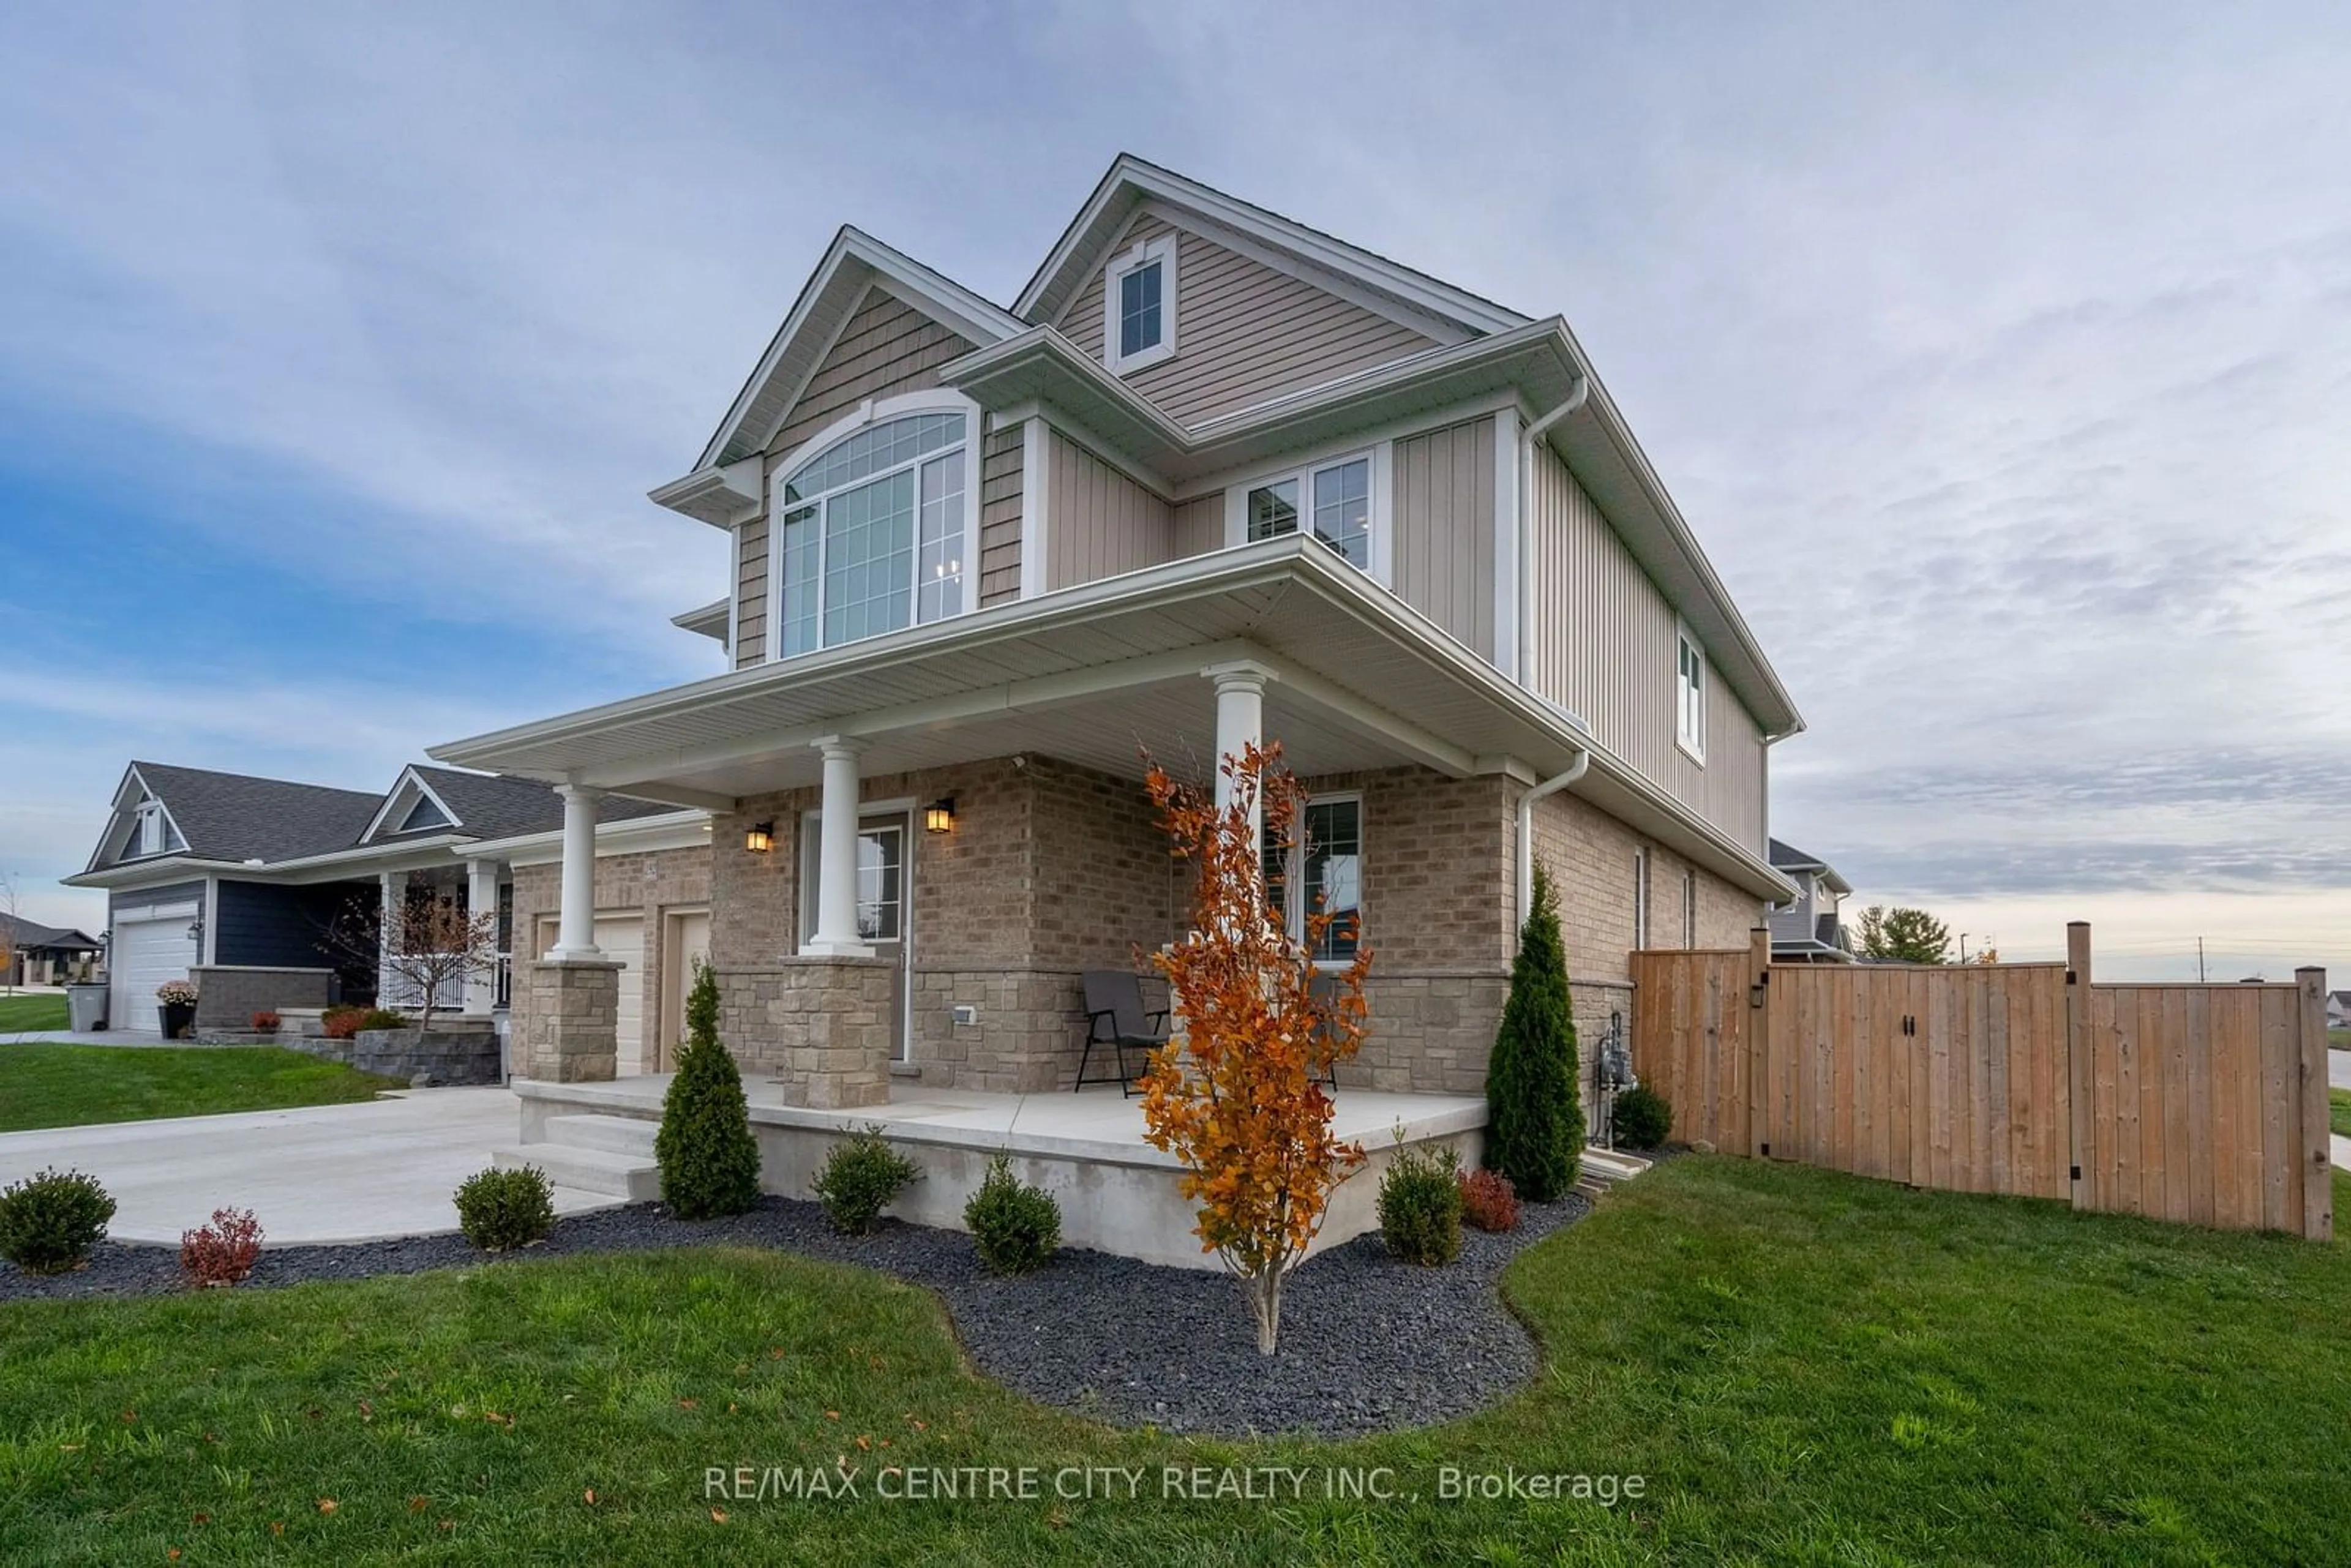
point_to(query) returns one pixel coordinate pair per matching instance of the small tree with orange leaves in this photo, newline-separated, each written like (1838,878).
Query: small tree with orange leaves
(1238,1096)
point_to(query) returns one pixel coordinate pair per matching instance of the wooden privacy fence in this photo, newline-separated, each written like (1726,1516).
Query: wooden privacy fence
(2195,1102)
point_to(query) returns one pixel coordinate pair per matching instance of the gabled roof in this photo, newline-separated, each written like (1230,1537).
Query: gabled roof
(1131,181)
(25,935)
(853,263)
(489,806)
(240,817)
(1786,856)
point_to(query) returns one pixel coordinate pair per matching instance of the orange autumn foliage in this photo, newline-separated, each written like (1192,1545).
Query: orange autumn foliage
(1238,1096)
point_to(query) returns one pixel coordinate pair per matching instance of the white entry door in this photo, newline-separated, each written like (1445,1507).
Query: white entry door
(146,953)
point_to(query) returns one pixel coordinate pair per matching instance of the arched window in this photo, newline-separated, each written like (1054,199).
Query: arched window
(871,532)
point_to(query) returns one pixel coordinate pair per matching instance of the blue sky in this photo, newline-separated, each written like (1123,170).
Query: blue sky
(2001,357)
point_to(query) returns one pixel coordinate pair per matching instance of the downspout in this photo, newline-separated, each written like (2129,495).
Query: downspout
(1526,521)
(1550,785)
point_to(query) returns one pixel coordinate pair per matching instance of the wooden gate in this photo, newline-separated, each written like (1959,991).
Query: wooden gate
(2200,1103)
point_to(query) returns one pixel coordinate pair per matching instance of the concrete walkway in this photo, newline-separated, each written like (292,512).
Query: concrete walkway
(322,1174)
(103,1037)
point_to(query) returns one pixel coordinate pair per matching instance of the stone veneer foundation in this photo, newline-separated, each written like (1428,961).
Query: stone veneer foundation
(569,1033)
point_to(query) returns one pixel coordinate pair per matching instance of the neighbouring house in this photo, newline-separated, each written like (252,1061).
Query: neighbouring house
(271,894)
(1214,477)
(1807,929)
(41,955)
(2338,1009)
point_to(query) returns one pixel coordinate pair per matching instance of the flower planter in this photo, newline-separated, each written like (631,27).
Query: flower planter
(179,1018)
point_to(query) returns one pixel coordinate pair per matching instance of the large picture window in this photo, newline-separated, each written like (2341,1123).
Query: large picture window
(870,533)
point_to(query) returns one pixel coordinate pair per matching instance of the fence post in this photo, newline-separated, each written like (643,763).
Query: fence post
(2317,1164)
(1760,1086)
(2080,1134)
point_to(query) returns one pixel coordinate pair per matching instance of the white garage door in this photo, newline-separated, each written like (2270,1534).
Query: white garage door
(622,938)
(145,954)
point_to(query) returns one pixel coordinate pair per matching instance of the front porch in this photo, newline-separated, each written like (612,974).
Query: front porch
(1117,1193)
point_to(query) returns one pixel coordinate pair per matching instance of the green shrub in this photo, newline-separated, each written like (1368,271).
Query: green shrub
(1018,1227)
(1644,1120)
(49,1222)
(1420,1207)
(709,1161)
(382,1017)
(1534,1130)
(859,1179)
(501,1211)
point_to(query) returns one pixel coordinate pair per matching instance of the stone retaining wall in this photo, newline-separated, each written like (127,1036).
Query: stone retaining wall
(440,1057)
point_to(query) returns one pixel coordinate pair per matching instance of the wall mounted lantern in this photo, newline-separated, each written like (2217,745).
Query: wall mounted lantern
(938,817)
(760,839)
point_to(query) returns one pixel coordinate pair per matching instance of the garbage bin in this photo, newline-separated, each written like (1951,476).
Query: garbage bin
(86,1008)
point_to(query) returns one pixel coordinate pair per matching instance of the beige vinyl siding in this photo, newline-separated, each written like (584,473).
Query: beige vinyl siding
(1199,526)
(887,348)
(1443,543)
(999,518)
(1098,522)
(1244,332)
(1605,647)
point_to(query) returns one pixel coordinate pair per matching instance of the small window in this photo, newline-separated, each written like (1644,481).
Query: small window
(1689,909)
(1325,875)
(1640,898)
(1139,305)
(152,833)
(1689,696)
(1341,508)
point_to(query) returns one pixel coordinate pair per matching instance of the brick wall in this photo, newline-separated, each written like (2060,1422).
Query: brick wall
(655,882)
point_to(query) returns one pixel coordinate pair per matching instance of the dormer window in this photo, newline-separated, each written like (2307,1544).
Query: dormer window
(1139,305)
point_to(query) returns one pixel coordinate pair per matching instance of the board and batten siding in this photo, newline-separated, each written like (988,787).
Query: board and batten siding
(1604,648)
(1199,525)
(998,573)
(1444,539)
(1244,332)
(1098,522)
(887,347)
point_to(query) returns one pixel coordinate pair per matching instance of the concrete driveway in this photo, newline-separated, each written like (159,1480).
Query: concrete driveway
(321,1174)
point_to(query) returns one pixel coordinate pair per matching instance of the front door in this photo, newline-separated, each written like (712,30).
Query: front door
(883,894)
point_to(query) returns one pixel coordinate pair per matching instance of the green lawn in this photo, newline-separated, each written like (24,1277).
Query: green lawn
(20,1014)
(2339,1038)
(70,1085)
(1801,1366)
(2338,1112)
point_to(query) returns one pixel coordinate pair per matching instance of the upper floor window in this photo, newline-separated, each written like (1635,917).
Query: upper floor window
(1335,499)
(1139,305)
(1690,695)
(151,832)
(872,532)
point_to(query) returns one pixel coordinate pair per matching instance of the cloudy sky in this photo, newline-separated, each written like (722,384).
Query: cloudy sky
(2002,359)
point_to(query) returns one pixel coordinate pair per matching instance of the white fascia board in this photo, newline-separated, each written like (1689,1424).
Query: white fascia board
(1132,181)
(638,835)
(718,496)
(170,869)
(707,620)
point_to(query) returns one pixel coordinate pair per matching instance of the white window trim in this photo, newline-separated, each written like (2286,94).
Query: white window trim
(1693,744)
(1640,899)
(1689,908)
(1382,497)
(1293,873)
(1143,254)
(871,412)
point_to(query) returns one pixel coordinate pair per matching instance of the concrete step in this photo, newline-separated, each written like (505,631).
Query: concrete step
(601,1171)
(1604,1168)
(612,1134)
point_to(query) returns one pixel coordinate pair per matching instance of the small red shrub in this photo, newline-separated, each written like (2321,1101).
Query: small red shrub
(222,1252)
(1488,1201)
(266,1021)
(341,1024)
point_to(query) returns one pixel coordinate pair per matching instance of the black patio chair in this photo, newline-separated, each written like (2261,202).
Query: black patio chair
(1115,1016)
(1325,986)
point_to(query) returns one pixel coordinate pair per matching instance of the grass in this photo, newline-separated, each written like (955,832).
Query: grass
(20,1015)
(2338,1114)
(1803,1367)
(73,1085)
(2338,1039)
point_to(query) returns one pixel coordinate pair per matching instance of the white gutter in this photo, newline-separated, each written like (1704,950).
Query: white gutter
(1527,439)
(1550,785)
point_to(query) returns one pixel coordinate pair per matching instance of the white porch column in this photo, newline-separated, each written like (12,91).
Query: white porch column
(387,939)
(836,861)
(1240,720)
(481,898)
(575,937)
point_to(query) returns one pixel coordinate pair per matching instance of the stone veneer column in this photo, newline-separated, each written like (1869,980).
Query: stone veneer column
(573,1034)
(819,1026)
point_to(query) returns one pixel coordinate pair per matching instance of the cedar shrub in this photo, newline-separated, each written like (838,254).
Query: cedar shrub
(709,1161)
(1534,1132)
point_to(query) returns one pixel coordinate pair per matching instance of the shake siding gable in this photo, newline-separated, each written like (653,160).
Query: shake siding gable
(887,347)
(1244,332)
(1605,646)
(1444,552)
(1099,523)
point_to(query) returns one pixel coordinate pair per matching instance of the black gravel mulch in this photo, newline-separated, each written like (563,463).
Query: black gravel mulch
(1367,1343)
